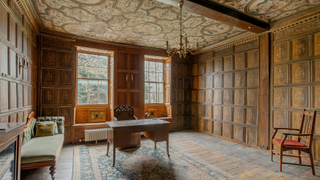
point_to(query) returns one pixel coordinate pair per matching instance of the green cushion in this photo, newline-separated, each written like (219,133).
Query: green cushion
(40,149)
(29,133)
(59,128)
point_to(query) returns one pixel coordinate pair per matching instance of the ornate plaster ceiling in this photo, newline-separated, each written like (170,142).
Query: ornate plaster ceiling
(269,10)
(137,22)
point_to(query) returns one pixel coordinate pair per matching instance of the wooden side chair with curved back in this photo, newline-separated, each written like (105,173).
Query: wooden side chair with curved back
(303,143)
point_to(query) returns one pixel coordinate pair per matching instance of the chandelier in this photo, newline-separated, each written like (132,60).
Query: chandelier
(183,48)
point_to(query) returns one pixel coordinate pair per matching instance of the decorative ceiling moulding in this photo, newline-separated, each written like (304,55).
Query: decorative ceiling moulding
(56,37)
(30,12)
(305,26)
(82,49)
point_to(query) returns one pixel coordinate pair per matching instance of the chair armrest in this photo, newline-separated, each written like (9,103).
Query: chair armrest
(292,129)
(296,134)
(115,119)
(135,117)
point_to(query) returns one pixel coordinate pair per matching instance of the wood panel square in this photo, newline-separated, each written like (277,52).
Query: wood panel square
(194,69)
(218,79)
(194,109)
(208,126)
(238,133)
(209,96)
(3,58)
(209,67)
(187,83)
(201,110)
(239,97)
(280,119)
(217,128)
(296,117)
(194,122)
(217,96)
(65,96)
(280,75)
(175,109)
(3,22)
(180,83)
(217,112)
(187,108)
(316,97)
(316,70)
(201,67)
(49,57)
(280,53)
(49,111)
(317,149)
(227,113)
(201,96)
(218,66)
(227,130)
(65,59)
(208,82)
(228,63)
(317,124)
(201,80)
(317,44)
(49,96)
(252,97)
(239,61)
(228,97)
(300,97)
(240,79)
(194,82)
(187,96)
(174,96)
(228,80)
(180,108)
(253,59)
(280,97)
(4,95)
(180,94)
(300,72)
(194,95)
(239,115)
(253,78)
(200,124)
(251,116)
(251,136)
(66,112)
(48,76)
(300,48)
(208,113)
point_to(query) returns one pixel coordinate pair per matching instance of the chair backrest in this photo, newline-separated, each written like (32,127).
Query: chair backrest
(124,112)
(307,126)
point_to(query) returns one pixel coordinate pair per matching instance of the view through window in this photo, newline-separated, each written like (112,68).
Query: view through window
(154,82)
(92,79)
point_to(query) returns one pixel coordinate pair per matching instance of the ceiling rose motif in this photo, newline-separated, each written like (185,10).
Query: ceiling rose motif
(136,22)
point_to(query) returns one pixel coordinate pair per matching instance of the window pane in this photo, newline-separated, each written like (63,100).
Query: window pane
(153,97)
(82,85)
(82,72)
(103,86)
(93,85)
(151,66)
(82,98)
(160,98)
(152,76)
(146,87)
(145,66)
(159,67)
(82,59)
(93,98)
(93,72)
(145,76)
(153,87)
(103,61)
(159,88)
(146,98)
(93,60)
(103,98)
(160,77)
(103,73)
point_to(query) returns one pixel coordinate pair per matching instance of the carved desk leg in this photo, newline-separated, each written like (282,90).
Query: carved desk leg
(114,155)
(52,171)
(108,143)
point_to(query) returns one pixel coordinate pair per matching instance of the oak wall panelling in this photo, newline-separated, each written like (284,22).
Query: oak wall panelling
(295,78)
(18,63)
(225,91)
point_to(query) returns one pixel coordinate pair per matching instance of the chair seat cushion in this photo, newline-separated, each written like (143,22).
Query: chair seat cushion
(290,143)
(40,149)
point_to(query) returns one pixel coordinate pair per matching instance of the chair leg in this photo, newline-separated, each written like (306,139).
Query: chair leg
(299,154)
(155,145)
(108,147)
(271,151)
(52,171)
(311,163)
(280,154)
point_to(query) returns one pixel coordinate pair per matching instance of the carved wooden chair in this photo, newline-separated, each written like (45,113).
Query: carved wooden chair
(126,112)
(303,142)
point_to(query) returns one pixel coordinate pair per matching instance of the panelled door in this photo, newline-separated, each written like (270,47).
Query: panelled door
(129,71)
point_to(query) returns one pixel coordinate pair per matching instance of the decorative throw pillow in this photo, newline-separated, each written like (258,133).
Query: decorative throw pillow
(55,128)
(45,129)
(60,126)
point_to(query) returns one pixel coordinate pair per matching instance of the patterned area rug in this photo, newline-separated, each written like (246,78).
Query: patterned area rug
(146,162)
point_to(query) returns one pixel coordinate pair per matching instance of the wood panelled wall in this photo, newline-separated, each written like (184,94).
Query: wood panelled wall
(181,92)
(295,77)
(18,45)
(225,92)
(56,82)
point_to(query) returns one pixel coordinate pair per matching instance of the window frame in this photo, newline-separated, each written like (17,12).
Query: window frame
(108,80)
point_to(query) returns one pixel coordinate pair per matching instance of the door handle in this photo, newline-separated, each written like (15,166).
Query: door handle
(127,77)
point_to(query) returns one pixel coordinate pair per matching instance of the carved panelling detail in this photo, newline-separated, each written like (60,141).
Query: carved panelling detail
(251,116)
(227,113)
(239,115)
(228,63)
(239,61)
(300,96)
(65,59)
(228,80)
(253,59)
(66,112)
(317,44)
(252,97)
(228,97)
(280,118)
(48,76)
(317,149)
(206,56)
(316,70)
(280,97)
(317,125)
(240,79)
(300,72)
(253,78)
(280,75)
(300,48)
(218,65)
(65,96)
(49,57)
(296,117)
(65,77)
(280,53)
(316,95)
(49,111)
(251,136)
(239,97)
(227,130)
(49,96)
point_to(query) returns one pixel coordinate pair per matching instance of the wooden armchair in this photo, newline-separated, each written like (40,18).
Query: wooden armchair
(126,112)
(305,133)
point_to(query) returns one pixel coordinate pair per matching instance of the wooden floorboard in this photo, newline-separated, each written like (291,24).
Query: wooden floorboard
(242,162)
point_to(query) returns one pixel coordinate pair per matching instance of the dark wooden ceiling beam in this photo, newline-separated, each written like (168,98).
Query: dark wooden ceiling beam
(222,14)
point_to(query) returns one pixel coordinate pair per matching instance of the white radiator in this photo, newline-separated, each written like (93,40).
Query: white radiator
(97,134)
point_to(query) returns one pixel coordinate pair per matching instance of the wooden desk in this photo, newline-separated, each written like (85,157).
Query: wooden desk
(155,129)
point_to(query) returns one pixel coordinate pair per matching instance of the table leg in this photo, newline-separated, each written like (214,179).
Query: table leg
(114,155)
(155,145)
(168,147)
(108,147)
